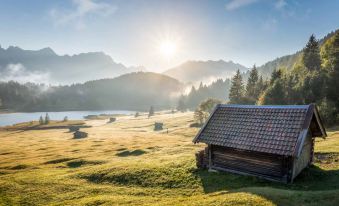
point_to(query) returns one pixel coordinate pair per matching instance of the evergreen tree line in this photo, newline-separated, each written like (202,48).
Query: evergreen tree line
(249,93)
(314,79)
(133,91)
(46,120)
(217,90)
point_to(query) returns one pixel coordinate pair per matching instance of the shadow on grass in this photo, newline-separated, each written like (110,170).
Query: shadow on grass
(312,178)
(333,128)
(314,185)
(60,160)
(131,153)
(81,162)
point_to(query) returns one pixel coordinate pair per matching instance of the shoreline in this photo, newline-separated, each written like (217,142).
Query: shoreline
(59,111)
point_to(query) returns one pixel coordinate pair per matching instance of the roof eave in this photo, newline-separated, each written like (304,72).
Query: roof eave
(195,140)
(303,134)
(320,122)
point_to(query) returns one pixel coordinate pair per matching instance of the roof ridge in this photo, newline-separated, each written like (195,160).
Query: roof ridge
(266,106)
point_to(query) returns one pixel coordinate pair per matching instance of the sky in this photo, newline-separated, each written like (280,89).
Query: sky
(160,34)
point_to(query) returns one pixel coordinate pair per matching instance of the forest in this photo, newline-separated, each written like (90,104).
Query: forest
(312,79)
(133,91)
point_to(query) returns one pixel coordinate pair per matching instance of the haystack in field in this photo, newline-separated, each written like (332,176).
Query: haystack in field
(112,119)
(79,135)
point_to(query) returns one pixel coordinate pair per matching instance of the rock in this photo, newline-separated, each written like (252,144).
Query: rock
(79,135)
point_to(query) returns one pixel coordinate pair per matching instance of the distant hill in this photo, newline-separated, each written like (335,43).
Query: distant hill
(205,71)
(286,61)
(133,91)
(47,66)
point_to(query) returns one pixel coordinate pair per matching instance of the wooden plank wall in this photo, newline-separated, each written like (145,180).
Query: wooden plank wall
(249,162)
(305,157)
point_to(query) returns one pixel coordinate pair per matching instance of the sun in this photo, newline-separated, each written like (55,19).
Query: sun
(168,48)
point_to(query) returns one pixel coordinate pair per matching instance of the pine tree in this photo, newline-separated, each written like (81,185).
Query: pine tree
(181,104)
(276,74)
(292,90)
(193,90)
(311,55)
(41,120)
(192,98)
(260,85)
(151,112)
(252,92)
(237,89)
(47,119)
(330,55)
(201,86)
(274,94)
(313,87)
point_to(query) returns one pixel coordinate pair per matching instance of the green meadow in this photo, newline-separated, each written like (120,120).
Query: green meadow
(127,163)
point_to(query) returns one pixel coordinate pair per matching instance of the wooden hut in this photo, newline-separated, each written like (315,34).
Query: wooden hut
(271,142)
(158,126)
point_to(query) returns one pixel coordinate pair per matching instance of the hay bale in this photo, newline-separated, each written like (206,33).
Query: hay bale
(74,128)
(158,126)
(112,119)
(79,135)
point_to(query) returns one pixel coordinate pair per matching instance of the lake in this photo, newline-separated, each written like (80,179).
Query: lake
(14,118)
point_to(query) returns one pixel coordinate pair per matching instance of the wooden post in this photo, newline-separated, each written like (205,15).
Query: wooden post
(312,151)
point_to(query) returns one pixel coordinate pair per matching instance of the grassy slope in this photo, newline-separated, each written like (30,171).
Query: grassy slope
(126,162)
(34,125)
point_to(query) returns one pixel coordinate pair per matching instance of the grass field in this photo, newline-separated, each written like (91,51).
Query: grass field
(127,163)
(35,125)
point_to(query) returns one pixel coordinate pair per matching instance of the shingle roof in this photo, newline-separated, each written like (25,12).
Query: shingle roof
(271,129)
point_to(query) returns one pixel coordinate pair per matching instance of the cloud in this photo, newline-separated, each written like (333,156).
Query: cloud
(18,73)
(81,10)
(235,4)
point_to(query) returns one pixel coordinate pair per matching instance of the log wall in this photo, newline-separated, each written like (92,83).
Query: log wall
(274,167)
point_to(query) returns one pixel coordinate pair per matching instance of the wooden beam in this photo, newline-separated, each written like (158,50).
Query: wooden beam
(209,156)
(283,180)
(195,140)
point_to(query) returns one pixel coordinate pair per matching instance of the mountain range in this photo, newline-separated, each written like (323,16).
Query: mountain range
(46,66)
